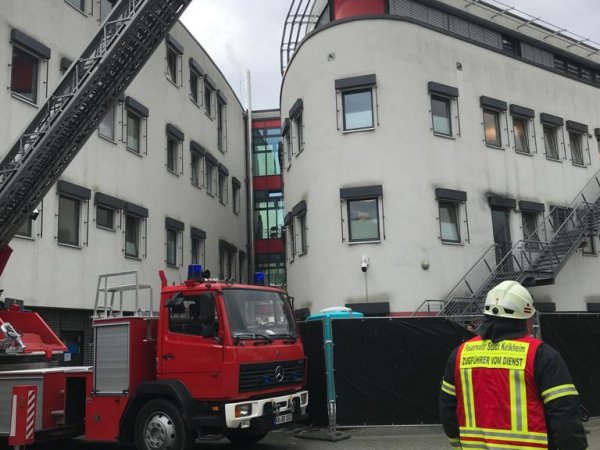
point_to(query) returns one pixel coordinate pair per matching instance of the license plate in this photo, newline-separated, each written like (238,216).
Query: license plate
(283,418)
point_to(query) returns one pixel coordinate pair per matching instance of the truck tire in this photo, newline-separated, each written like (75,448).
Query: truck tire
(245,436)
(159,426)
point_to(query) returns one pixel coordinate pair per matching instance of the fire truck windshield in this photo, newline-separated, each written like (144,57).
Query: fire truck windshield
(253,313)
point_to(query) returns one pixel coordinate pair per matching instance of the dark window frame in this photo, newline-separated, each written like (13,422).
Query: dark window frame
(36,75)
(497,115)
(353,91)
(349,203)
(455,207)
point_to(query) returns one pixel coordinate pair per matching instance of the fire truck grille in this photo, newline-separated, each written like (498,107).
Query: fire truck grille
(269,375)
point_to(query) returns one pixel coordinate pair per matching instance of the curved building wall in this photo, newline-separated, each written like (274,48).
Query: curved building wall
(46,274)
(402,155)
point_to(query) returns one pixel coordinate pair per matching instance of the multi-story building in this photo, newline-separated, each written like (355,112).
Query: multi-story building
(268,196)
(425,138)
(160,185)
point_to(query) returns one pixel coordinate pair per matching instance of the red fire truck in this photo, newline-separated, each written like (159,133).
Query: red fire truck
(216,359)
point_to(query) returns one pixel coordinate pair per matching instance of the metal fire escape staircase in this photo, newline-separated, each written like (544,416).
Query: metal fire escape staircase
(123,44)
(535,261)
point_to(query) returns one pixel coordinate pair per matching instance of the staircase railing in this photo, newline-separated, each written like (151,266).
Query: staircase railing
(125,41)
(533,261)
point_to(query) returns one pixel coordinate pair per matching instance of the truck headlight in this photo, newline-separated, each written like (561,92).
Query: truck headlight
(243,410)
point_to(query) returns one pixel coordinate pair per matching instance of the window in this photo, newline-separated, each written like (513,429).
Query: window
(444,109)
(133,132)
(551,126)
(521,134)
(135,230)
(289,146)
(209,96)
(451,211)
(296,127)
(265,151)
(491,124)
(551,142)
(198,240)
(356,97)
(223,185)
(79,4)
(529,221)
(24,75)
(174,143)
(299,127)
(194,315)
(174,229)
(196,168)
(69,217)
(290,237)
(211,177)
(236,200)
(358,109)
(441,115)
(132,236)
(274,271)
(105,8)
(558,216)
(173,60)
(26,229)
(194,82)
(575,140)
(269,212)
(135,118)
(363,219)
(106,129)
(221,123)
(363,209)
(227,260)
(303,232)
(449,221)
(105,217)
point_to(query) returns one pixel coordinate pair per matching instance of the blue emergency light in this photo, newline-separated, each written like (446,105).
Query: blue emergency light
(259,278)
(195,272)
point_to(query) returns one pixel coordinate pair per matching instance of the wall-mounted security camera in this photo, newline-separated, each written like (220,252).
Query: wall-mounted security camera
(34,215)
(364,263)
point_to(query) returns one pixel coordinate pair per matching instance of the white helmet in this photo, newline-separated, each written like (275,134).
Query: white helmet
(509,299)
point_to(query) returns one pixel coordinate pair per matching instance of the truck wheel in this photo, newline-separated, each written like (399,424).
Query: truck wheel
(245,436)
(159,426)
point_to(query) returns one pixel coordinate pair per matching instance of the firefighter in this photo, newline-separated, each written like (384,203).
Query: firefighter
(504,389)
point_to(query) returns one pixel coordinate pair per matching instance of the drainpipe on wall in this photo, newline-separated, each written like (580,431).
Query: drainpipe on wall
(249,178)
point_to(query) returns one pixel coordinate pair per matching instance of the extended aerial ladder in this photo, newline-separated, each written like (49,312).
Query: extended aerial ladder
(125,41)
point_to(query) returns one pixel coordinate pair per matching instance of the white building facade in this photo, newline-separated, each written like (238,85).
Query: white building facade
(417,137)
(160,185)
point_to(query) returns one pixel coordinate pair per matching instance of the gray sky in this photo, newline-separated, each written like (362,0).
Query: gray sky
(242,35)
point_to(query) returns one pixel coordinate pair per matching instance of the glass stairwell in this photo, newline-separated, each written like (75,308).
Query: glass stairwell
(534,261)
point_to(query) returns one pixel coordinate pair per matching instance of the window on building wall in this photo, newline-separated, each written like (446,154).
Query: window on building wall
(451,208)
(198,245)
(441,115)
(227,260)
(558,216)
(286,132)
(195,82)
(529,220)
(173,60)
(521,134)
(235,195)
(296,127)
(174,229)
(269,212)
(71,213)
(303,233)
(221,123)
(79,4)
(105,8)
(174,148)
(209,97)
(493,112)
(552,127)
(290,238)
(449,221)
(196,163)
(135,125)
(107,211)
(223,184)
(265,150)
(356,96)
(444,109)
(132,236)
(135,230)
(106,129)
(26,74)
(105,217)
(362,213)
(211,168)
(26,229)
(578,142)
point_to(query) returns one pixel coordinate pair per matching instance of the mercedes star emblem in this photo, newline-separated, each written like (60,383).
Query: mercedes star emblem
(279,374)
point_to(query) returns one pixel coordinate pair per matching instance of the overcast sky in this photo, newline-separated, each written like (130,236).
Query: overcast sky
(242,35)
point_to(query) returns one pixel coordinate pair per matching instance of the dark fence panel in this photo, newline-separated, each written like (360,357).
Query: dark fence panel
(577,338)
(388,371)
(312,338)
